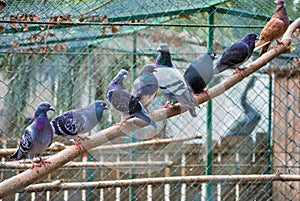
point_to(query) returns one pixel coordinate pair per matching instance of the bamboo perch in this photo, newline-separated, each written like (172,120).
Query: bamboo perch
(59,185)
(20,181)
(133,164)
(144,143)
(60,147)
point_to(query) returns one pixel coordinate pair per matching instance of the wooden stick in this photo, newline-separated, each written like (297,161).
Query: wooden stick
(60,185)
(144,143)
(60,147)
(20,181)
(141,164)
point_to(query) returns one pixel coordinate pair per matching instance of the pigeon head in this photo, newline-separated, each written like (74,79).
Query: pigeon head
(148,69)
(40,115)
(44,107)
(250,39)
(279,2)
(212,55)
(163,47)
(122,74)
(164,58)
(100,106)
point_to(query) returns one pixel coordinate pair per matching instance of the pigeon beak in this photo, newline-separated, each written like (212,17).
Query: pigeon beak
(106,108)
(51,108)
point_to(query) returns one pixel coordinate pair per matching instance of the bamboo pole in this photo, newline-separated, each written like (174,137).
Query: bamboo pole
(20,181)
(133,164)
(60,185)
(156,142)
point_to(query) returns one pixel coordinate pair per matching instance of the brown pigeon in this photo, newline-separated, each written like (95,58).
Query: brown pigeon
(274,29)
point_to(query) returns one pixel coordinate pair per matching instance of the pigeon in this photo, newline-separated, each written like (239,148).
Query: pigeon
(145,86)
(200,72)
(171,82)
(246,124)
(74,122)
(164,56)
(124,102)
(237,54)
(36,137)
(274,29)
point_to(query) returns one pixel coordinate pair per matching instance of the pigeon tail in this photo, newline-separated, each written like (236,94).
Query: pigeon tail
(215,71)
(192,112)
(17,155)
(264,49)
(141,115)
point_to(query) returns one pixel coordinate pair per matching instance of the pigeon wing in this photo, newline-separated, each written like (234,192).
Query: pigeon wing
(170,81)
(25,145)
(120,99)
(235,55)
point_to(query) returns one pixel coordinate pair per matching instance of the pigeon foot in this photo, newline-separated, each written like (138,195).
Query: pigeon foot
(121,123)
(279,42)
(78,144)
(167,105)
(44,162)
(34,166)
(240,71)
(205,91)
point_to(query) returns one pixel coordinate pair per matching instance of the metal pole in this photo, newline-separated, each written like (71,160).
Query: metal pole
(132,151)
(269,147)
(209,161)
(90,87)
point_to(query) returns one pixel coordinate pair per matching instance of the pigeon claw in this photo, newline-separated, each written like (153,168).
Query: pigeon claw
(205,91)
(34,166)
(240,71)
(121,123)
(44,162)
(279,42)
(167,105)
(78,144)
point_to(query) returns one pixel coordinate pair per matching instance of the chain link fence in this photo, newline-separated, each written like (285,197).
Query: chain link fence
(67,52)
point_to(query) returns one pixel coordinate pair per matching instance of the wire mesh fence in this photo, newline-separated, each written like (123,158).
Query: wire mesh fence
(67,53)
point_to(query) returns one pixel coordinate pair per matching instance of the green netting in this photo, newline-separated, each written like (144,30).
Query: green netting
(67,52)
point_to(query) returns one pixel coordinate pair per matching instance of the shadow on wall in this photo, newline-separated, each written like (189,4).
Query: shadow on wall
(247,123)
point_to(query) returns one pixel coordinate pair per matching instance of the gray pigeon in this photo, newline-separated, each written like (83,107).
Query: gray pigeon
(200,72)
(36,137)
(237,54)
(75,122)
(171,82)
(145,86)
(124,102)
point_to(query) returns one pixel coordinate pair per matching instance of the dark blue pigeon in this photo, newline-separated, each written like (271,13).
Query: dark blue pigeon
(36,137)
(200,72)
(145,86)
(237,54)
(171,82)
(75,122)
(124,102)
